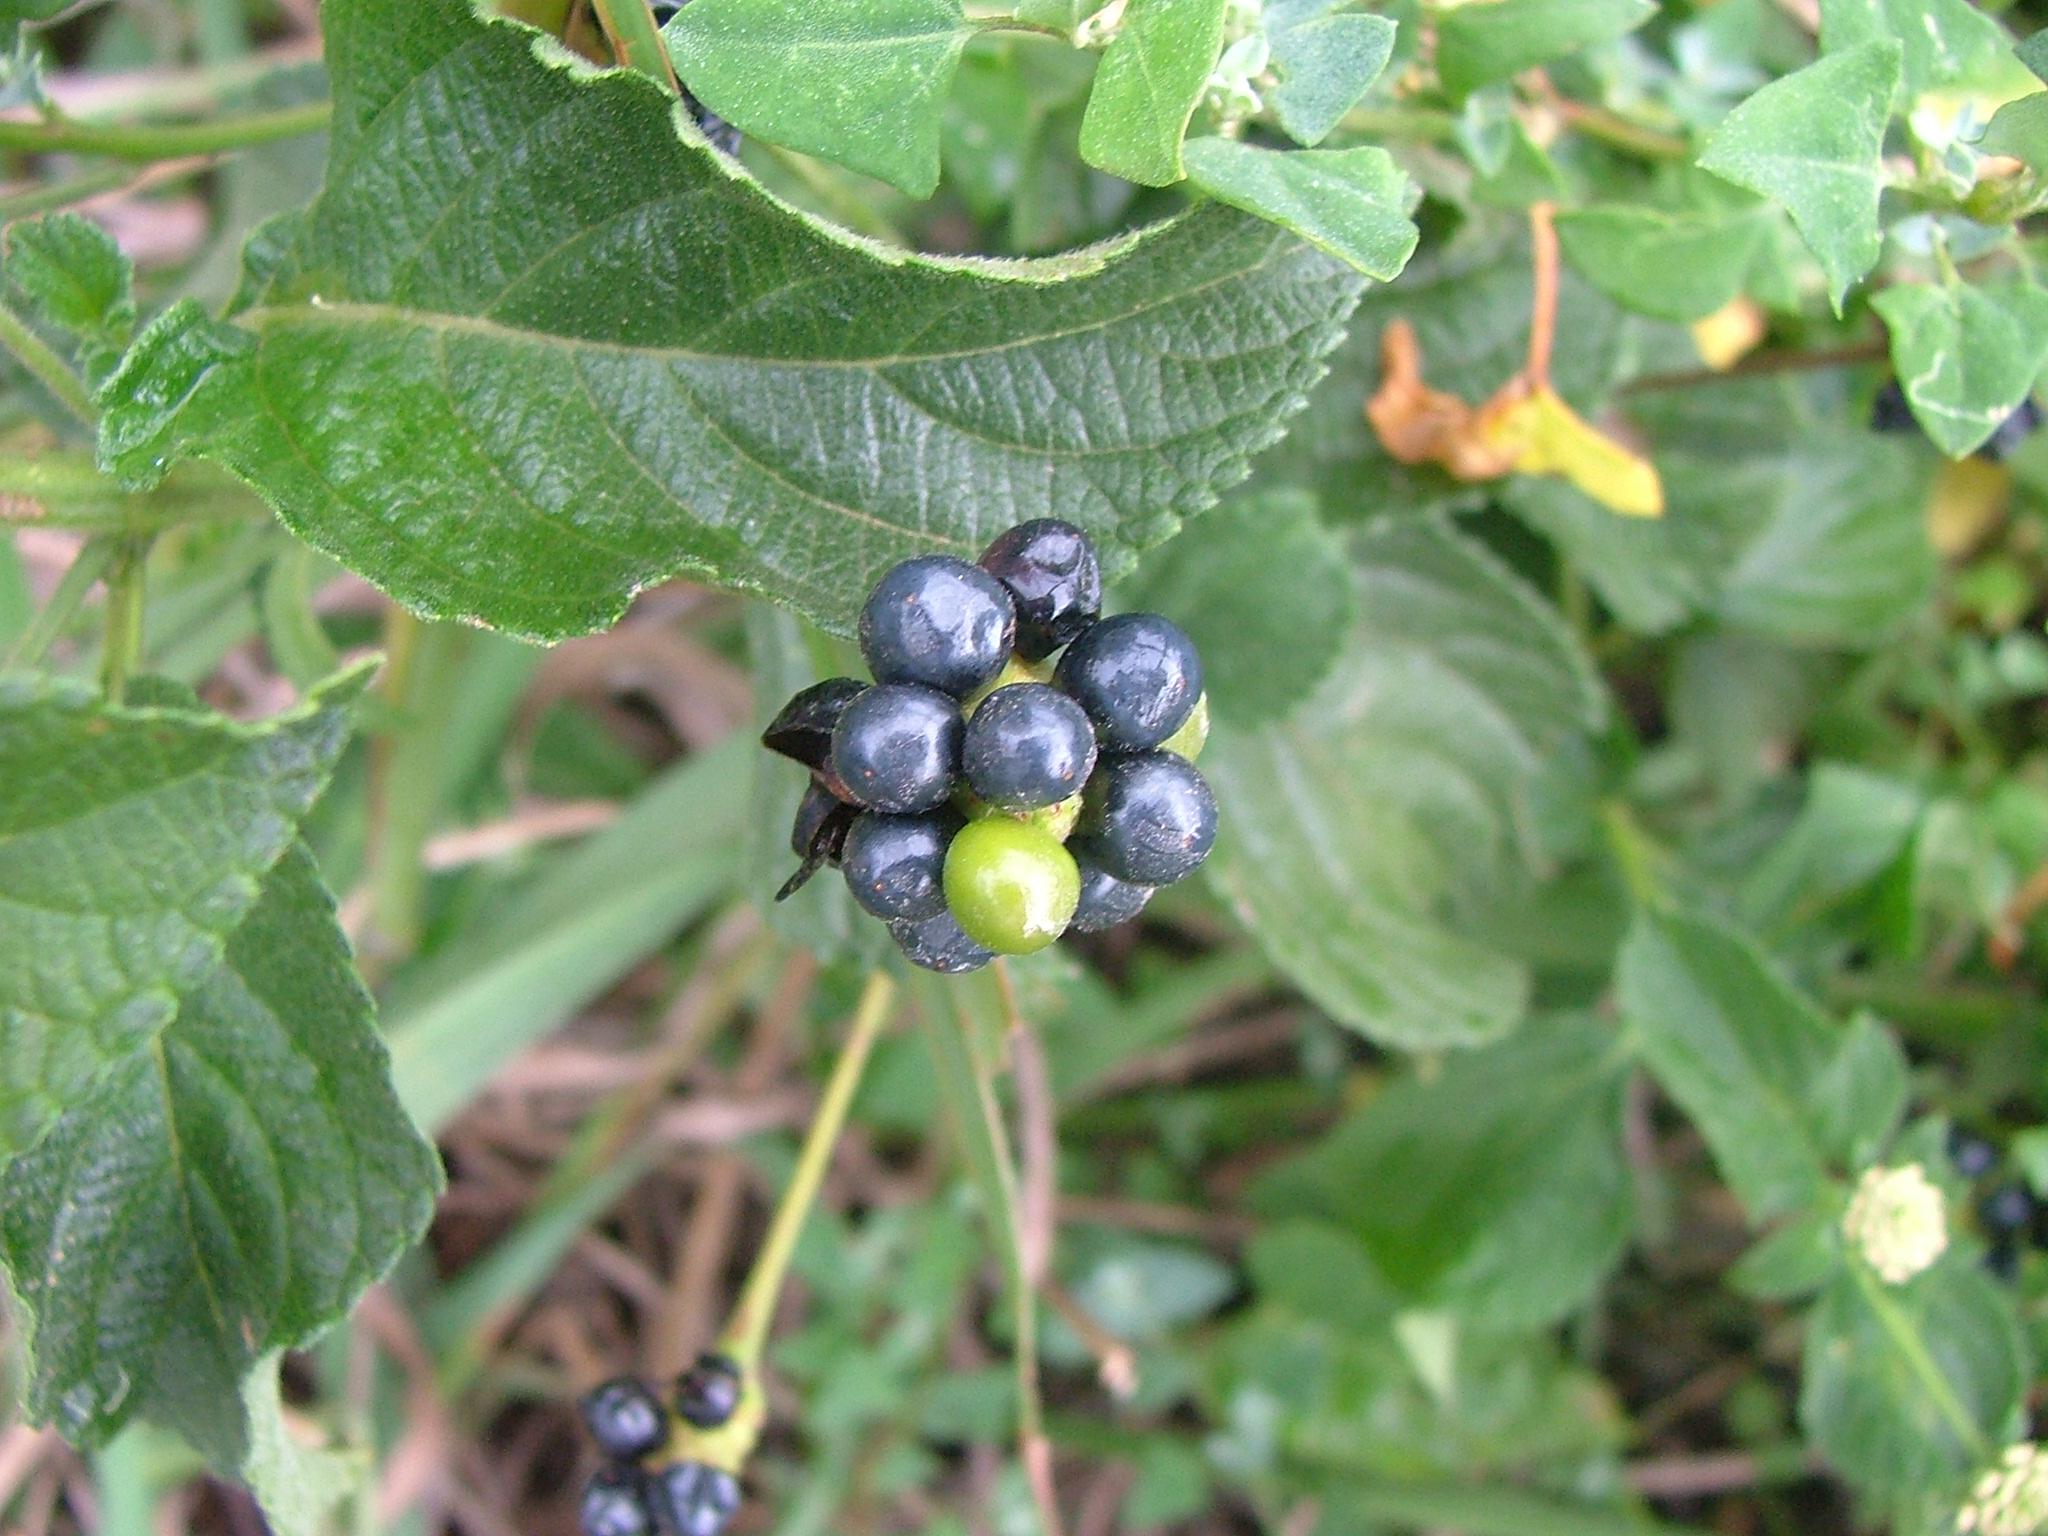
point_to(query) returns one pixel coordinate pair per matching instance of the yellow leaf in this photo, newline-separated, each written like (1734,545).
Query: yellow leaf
(1728,334)
(1968,499)
(1553,439)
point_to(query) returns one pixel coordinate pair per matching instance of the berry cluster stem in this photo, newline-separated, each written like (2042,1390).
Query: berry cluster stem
(126,584)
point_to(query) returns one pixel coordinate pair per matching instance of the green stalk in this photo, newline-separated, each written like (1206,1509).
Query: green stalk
(164,141)
(126,584)
(67,490)
(50,370)
(63,606)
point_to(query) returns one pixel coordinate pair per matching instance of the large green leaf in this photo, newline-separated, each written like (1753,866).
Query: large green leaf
(1352,203)
(1494,1186)
(1942,41)
(1676,266)
(1966,357)
(511,367)
(861,85)
(1351,829)
(227,1189)
(77,278)
(1325,53)
(1478,44)
(133,842)
(1151,78)
(1810,142)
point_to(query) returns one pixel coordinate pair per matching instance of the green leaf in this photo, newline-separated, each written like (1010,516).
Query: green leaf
(1738,1049)
(1859,1097)
(133,842)
(863,86)
(1325,55)
(1493,1185)
(1965,356)
(2032,51)
(1151,78)
(1810,142)
(1491,40)
(1906,1387)
(1352,203)
(1795,1260)
(1352,828)
(1320,1272)
(298,1487)
(570,387)
(1941,41)
(1266,594)
(1675,266)
(225,1190)
(78,280)
(2020,129)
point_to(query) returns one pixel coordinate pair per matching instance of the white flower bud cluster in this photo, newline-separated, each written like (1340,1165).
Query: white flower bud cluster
(1232,92)
(1898,1220)
(2012,1498)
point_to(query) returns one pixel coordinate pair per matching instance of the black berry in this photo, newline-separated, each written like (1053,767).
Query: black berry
(2006,438)
(817,836)
(1027,746)
(1105,900)
(1971,1156)
(895,864)
(625,1418)
(1137,676)
(1148,818)
(615,1504)
(938,621)
(708,1392)
(2007,1209)
(897,748)
(940,944)
(802,732)
(697,1500)
(1889,411)
(1050,568)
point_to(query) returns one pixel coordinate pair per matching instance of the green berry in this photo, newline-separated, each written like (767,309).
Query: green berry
(1058,820)
(1189,740)
(1011,885)
(1015,670)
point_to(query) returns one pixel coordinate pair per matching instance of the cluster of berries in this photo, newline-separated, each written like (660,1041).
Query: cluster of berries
(641,1491)
(2008,1212)
(980,800)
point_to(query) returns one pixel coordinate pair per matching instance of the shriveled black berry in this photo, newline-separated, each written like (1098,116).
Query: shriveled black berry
(1105,900)
(1148,817)
(1889,411)
(940,944)
(2007,1209)
(697,1500)
(615,1503)
(897,748)
(1051,571)
(818,835)
(625,1418)
(1971,1156)
(895,864)
(2006,438)
(708,1392)
(1027,746)
(1137,676)
(802,732)
(938,621)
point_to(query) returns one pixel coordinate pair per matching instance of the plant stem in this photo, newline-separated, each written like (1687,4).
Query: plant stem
(67,490)
(629,27)
(163,141)
(746,1330)
(49,369)
(1543,303)
(1913,1350)
(63,605)
(126,582)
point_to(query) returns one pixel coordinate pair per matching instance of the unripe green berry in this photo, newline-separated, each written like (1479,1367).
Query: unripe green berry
(1011,885)
(1058,820)
(1015,670)
(1189,740)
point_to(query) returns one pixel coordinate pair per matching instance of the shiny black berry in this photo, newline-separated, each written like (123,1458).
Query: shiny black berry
(2006,438)
(615,1503)
(1137,676)
(1050,568)
(802,732)
(625,1418)
(817,835)
(895,865)
(1105,900)
(1971,1156)
(2007,1209)
(1148,817)
(697,1500)
(1027,746)
(897,748)
(708,1392)
(940,944)
(938,621)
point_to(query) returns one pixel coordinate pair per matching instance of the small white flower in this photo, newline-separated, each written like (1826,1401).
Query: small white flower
(2012,1498)
(1898,1221)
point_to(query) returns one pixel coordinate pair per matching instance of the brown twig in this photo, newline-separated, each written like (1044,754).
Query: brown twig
(1756,363)
(1116,1364)
(1543,259)
(1226,1228)
(541,822)
(1203,1052)
(1038,1151)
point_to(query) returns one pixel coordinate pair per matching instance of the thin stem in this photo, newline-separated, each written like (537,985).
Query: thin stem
(1781,361)
(636,42)
(67,490)
(1623,133)
(163,141)
(126,583)
(1019,24)
(1543,304)
(63,606)
(746,1330)
(50,370)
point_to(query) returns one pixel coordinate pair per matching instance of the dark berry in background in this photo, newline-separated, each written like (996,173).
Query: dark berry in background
(1137,676)
(802,732)
(895,864)
(696,1500)
(1889,411)
(1105,900)
(938,621)
(1027,746)
(897,748)
(1971,1156)
(1050,568)
(2007,1209)
(615,1503)
(940,944)
(2006,438)
(1148,818)
(708,1392)
(625,1418)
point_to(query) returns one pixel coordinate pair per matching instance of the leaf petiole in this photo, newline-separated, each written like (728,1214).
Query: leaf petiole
(163,141)
(127,580)
(49,370)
